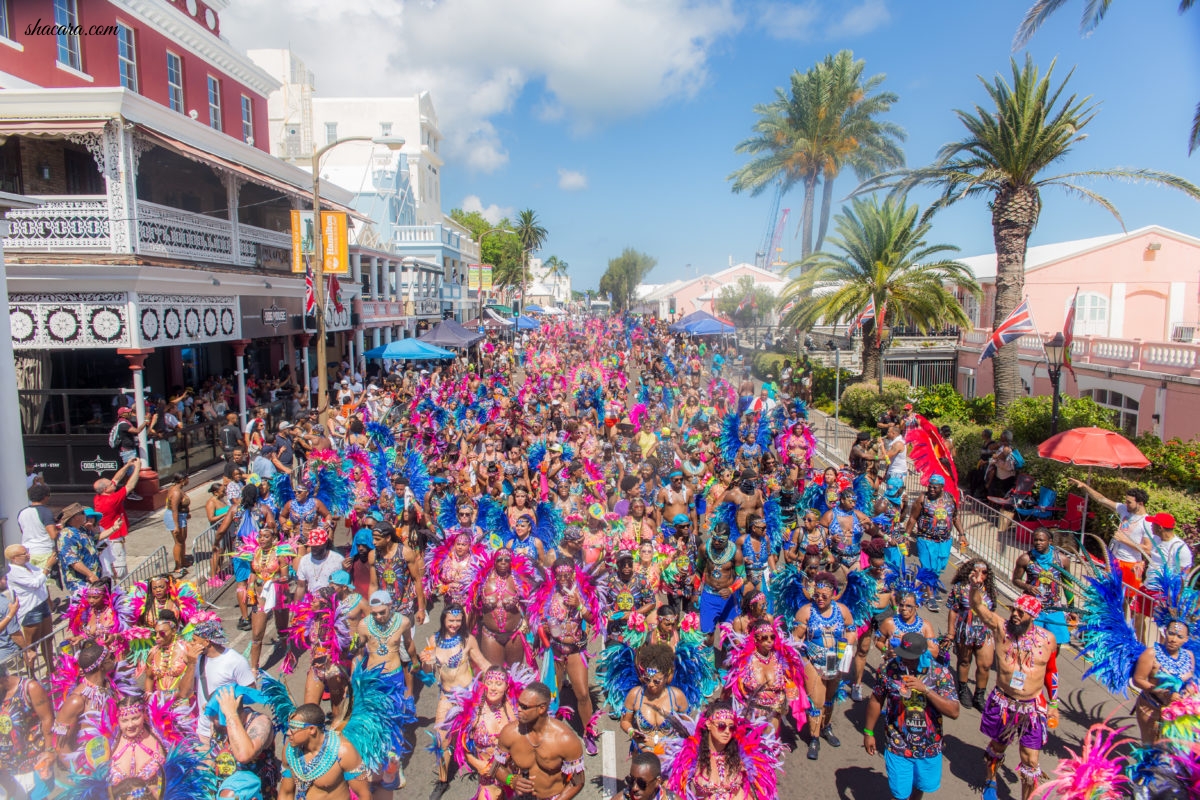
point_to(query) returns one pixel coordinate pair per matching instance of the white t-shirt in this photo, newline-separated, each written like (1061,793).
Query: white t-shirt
(1174,554)
(899,462)
(316,574)
(228,668)
(33,530)
(1136,528)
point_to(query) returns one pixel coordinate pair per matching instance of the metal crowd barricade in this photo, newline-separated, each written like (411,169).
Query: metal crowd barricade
(201,570)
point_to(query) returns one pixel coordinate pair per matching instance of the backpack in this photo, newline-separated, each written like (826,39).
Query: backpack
(1018,460)
(114,436)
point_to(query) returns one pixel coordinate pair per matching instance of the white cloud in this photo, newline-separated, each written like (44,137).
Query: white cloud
(570,180)
(593,62)
(492,213)
(794,21)
(863,18)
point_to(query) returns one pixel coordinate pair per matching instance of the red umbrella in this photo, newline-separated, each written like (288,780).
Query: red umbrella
(1093,447)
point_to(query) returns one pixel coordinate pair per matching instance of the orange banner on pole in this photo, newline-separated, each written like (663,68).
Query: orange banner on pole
(485,278)
(473,277)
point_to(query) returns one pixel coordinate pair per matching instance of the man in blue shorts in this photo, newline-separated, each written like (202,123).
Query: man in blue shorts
(724,573)
(912,694)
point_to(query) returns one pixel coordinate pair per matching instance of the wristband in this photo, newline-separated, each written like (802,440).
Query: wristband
(508,780)
(868,732)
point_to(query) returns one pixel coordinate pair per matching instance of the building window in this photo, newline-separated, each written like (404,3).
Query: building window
(66,13)
(4,30)
(175,82)
(1091,314)
(247,120)
(127,57)
(330,132)
(214,103)
(385,129)
(1125,408)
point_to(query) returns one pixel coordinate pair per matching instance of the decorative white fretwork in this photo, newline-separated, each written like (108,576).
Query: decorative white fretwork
(61,321)
(75,223)
(171,319)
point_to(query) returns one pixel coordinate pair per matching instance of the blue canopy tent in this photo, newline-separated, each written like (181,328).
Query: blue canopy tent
(688,319)
(525,323)
(532,309)
(709,327)
(408,350)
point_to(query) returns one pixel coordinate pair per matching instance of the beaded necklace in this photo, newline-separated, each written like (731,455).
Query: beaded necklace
(307,772)
(725,556)
(384,634)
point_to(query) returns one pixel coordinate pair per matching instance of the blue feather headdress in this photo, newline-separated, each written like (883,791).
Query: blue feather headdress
(921,584)
(1108,640)
(447,512)
(416,473)
(380,436)
(730,440)
(762,433)
(1177,603)
(773,516)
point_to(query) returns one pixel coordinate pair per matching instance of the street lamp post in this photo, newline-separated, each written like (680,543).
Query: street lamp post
(1055,350)
(392,143)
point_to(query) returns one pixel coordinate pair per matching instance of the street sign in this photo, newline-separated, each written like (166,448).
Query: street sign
(274,316)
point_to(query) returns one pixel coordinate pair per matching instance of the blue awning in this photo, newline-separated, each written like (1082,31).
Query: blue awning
(409,350)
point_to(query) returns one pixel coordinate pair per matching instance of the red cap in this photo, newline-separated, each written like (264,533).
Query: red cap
(124,411)
(318,537)
(1029,604)
(908,406)
(1163,520)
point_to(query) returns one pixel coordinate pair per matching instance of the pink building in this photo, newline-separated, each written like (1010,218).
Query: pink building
(1137,346)
(699,293)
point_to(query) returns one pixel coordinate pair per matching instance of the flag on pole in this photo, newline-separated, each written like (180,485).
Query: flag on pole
(787,307)
(1069,334)
(745,302)
(310,299)
(1019,323)
(879,323)
(867,315)
(335,293)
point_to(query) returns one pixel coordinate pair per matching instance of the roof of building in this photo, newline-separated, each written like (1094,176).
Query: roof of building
(984,267)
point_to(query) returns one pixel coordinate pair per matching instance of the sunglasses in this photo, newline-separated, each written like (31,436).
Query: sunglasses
(723,727)
(524,707)
(640,783)
(767,637)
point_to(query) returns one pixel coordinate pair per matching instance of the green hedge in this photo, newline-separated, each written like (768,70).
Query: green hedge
(863,405)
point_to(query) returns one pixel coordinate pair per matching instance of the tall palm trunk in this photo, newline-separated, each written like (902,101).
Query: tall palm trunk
(870,357)
(1014,214)
(826,207)
(806,219)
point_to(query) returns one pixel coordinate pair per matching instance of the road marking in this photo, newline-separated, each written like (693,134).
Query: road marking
(608,762)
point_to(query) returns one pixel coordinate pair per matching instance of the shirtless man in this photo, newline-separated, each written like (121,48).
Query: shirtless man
(302,780)
(539,757)
(1015,709)
(748,497)
(724,572)
(382,634)
(175,519)
(676,498)
(452,655)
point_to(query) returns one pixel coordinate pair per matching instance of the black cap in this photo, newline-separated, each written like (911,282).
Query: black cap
(912,645)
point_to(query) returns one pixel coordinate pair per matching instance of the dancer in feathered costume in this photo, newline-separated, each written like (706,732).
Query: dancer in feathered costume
(1164,672)
(448,568)
(822,493)
(478,713)
(1096,772)
(928,452)
(107,614)
(765,672)
(641,690)
(361,744)
(164,593)
(320,626)
(693,670)
(499,585)
(847,522)
(330,485)
(724,756)
(148,755)
(828,631)
(565,614)
(911,589)
(85,689)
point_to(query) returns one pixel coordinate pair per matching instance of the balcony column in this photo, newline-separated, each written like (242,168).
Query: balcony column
(376,337)
(356,270)
(137,363)
(116,153)
(239,352)
(375,291)
(387,335)
(12,443)
(233,186)
(385,277)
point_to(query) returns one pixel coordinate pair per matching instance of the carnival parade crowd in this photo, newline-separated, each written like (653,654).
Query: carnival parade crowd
(613,520)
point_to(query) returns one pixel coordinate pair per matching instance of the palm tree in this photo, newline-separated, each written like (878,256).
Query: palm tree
(1093,12)
(555,267)
(827,121)
(1004,155)
(532,235)
(884,257)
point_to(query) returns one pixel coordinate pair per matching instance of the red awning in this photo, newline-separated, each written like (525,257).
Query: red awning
(52,128)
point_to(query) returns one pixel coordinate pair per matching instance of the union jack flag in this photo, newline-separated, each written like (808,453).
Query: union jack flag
(1019,323)
(788,307)
(310,298)
(867,315)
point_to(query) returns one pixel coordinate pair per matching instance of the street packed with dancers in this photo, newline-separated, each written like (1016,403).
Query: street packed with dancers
(610,525)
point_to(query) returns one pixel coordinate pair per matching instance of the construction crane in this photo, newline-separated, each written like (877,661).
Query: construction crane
(777,251)
(770,237)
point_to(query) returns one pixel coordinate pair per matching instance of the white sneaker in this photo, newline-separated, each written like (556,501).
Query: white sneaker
(133,496)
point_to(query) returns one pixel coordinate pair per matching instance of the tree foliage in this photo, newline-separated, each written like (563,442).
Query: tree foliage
(501,249)
(623,275)
(758,306)
(1030,125)
(883,257)
(828,120)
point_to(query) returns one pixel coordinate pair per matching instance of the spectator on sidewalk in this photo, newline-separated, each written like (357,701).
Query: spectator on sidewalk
(230,435)
(77,549)
(39,532)
(28,585)
(1131,544)
(1167,551)
(110,502)
(126,434)
(1002,469)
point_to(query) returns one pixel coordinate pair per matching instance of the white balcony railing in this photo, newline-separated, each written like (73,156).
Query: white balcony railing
(426,234)
(175,233)
(78,223)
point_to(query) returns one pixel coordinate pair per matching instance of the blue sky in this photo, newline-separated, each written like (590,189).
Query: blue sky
(616,120)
